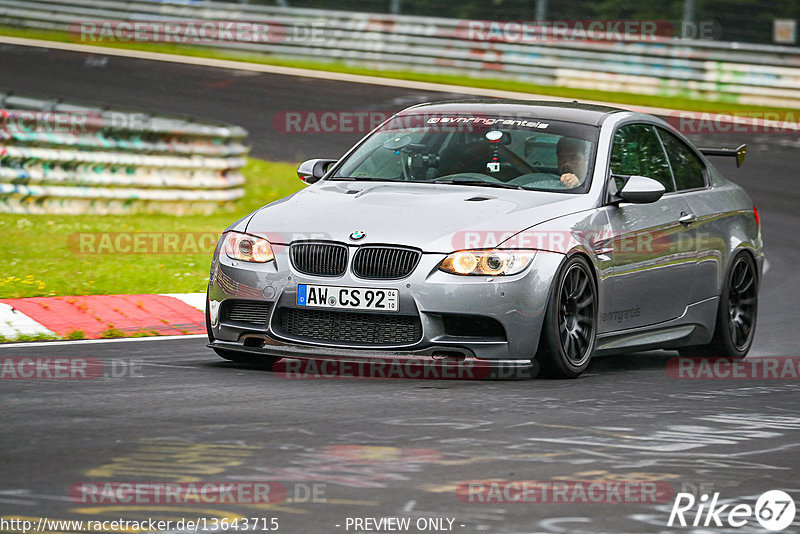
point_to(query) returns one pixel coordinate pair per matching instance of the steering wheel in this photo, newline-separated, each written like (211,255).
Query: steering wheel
(540,180)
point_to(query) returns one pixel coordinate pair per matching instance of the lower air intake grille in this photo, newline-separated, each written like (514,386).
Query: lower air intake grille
(356,328)
(246,311)
(384,262)
(319,259)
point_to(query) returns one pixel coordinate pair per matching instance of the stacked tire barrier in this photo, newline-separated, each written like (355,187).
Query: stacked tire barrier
(706,69)
(59,157)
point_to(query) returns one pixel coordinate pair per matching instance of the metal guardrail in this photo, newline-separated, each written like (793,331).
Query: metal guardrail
(59,157)
(731,72)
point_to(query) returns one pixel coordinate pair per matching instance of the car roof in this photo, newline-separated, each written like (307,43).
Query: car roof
(573,111)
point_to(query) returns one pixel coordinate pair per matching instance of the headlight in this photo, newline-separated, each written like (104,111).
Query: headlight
(487,262)
(245,247)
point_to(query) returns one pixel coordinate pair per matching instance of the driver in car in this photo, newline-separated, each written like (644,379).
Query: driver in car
(572,161)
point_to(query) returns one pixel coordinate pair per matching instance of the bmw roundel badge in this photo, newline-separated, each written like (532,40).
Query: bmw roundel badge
(357,235)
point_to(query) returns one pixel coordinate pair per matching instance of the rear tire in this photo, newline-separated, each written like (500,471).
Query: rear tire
(737,312)
(570,322)
(263,362)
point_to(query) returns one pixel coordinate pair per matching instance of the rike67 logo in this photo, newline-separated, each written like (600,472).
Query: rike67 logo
(774,510)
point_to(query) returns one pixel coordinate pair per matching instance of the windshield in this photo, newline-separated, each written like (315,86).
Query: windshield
(506,152)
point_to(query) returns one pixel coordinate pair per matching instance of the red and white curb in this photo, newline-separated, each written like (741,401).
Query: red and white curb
(98,316)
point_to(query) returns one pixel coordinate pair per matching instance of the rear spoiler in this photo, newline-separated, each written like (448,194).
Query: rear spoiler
(739,153)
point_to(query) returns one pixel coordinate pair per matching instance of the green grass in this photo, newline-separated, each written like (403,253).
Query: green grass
(144,333)
(39,260)
(76,334)
(112,333)
(27,337)
(685,101)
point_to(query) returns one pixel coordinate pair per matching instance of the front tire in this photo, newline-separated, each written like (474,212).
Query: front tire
(570,322)
(736,314)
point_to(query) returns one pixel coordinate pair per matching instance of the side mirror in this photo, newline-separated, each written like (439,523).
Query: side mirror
(312,170)
(641,190)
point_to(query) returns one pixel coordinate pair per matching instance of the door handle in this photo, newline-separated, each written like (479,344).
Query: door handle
(687,218)
(603,247)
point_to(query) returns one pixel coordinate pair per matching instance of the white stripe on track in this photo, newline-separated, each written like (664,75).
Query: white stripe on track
(195,300)
(14,323)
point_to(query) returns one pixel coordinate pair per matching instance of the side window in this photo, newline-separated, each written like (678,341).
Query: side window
(687,167)
(637,150)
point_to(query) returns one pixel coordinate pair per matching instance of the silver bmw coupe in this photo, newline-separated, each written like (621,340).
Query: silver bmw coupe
(521,235)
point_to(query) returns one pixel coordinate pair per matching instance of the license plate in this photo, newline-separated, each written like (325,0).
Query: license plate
(348,298)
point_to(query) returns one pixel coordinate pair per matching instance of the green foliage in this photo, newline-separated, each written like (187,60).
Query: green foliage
(112,332)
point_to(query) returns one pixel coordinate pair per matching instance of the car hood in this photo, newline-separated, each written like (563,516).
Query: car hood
(432,217)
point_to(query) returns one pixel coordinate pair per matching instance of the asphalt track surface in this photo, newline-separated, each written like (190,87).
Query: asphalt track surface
(400,447)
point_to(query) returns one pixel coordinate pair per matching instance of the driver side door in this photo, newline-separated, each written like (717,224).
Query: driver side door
(652,254)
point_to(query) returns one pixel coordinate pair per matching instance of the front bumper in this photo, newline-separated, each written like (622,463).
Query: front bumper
(516,302)
(386,364)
